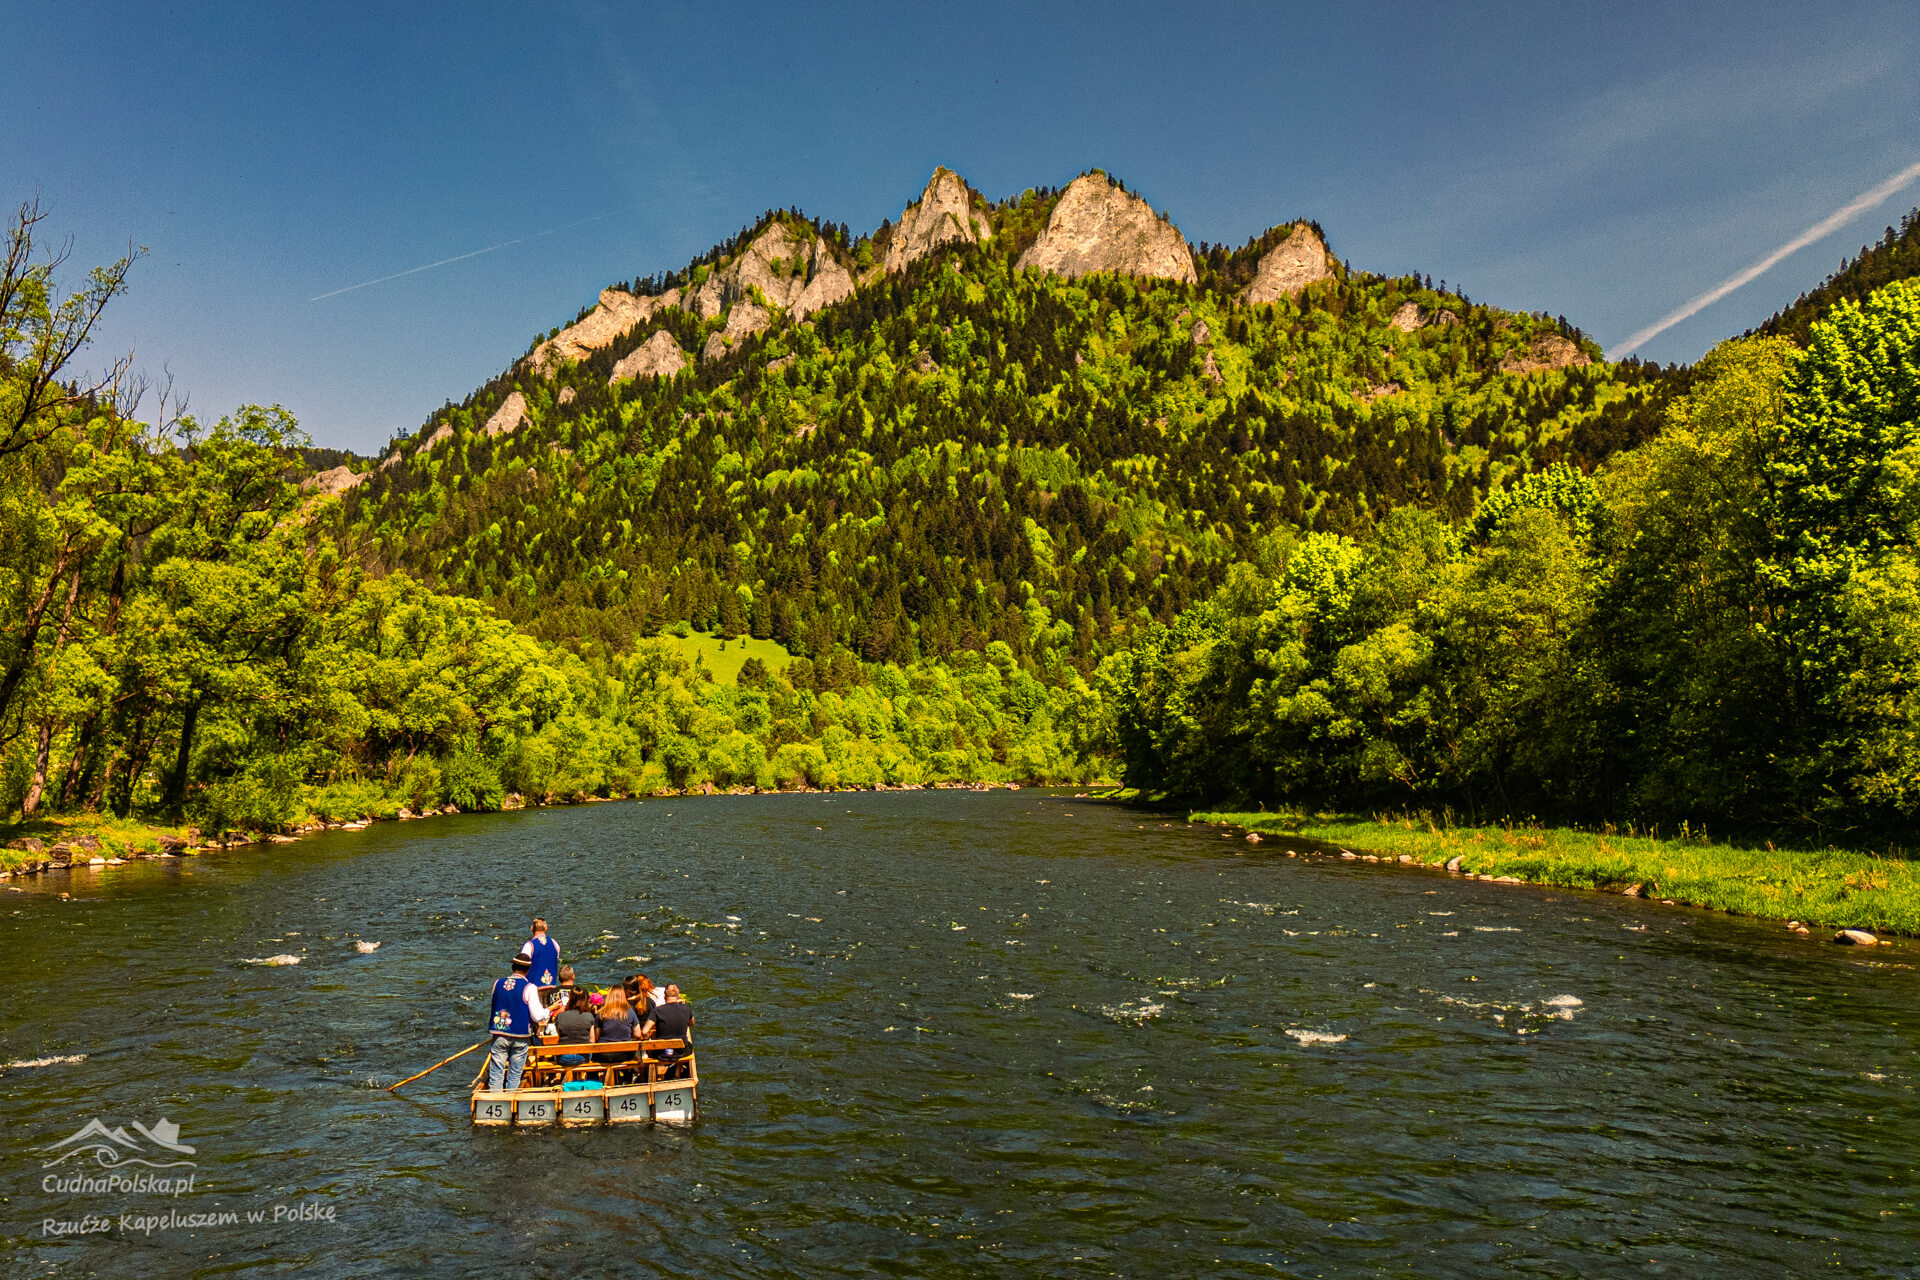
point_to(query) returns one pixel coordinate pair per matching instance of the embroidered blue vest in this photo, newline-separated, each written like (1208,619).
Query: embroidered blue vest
(510,1008)
(546,963)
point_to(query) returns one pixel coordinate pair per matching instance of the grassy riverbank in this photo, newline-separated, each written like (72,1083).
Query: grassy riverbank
(91,834)
(1833,888)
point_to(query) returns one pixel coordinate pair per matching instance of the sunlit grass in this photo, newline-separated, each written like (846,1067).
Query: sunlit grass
(1833,888)
(724,658)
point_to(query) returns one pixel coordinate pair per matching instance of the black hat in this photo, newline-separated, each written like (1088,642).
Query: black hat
(522,963)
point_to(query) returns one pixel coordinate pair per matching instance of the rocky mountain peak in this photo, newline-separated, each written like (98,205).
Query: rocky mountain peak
(945,212)
(1099,227)
(1289,267)
(792,268)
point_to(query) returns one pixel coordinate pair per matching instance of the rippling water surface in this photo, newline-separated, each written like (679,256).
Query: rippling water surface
(952,1034)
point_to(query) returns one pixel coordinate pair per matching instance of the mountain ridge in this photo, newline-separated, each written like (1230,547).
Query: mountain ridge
(968,449)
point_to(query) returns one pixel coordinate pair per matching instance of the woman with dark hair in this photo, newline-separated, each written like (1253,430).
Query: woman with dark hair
(577,1025)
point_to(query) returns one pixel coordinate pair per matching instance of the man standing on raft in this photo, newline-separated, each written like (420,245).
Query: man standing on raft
(516,1011)
(543,957)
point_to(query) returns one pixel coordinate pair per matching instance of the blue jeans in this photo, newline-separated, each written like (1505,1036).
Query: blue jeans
(505,1062)
(571,1059)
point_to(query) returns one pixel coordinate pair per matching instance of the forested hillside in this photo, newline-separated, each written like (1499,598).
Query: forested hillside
(961,450)
(1028,490)
(1896,256)
(1719,628)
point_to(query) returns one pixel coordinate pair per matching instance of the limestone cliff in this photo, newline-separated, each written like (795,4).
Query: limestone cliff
(945,212)
(508,417)
(442,432)
(617,312)
(1296,262)
(1098,227)
(1412,316)
(332,481)
(658,357)
(789,268)
(745,319)
(1548,351)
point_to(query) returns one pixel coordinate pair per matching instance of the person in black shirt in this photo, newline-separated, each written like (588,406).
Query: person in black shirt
(670,1021)
(577,1025)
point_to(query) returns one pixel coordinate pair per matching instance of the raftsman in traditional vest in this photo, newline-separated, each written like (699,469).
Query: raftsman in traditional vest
(510,1018)
(545,954)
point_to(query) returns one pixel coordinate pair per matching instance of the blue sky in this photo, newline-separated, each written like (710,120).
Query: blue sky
(1605,162)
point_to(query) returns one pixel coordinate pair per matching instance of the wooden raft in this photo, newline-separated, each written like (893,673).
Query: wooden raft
(630,1091)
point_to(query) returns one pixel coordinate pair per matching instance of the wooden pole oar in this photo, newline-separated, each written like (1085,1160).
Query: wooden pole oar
(443,1062)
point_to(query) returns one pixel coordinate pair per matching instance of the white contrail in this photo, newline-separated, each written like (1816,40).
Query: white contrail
(1825,227)
(459,257)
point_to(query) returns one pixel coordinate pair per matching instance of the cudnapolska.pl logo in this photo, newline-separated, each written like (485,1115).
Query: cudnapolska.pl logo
(146,1165)
(115,1150)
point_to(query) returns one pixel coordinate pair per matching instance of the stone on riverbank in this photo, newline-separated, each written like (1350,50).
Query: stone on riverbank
(1856,938)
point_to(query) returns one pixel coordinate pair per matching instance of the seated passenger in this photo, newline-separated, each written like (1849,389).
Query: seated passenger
(617,1019)
(576,1026)
(643,995)
(672,1019)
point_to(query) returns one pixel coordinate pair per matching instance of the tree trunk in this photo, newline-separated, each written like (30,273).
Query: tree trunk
(30,633)
(83,762)
(137,749)
(38,785)
(177,785)
(104,784)
(75,779)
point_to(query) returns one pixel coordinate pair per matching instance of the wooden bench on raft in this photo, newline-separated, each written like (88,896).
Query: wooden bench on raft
(542,1064)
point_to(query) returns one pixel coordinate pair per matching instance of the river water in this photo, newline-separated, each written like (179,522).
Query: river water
(953,1034)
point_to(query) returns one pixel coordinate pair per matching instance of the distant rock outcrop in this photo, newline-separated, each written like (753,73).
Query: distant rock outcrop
(332,481)
(745,319)
(830,284)
(442,432)
(943,213)
(508,417)
(785,267)
(617,312)
(1547,351)
(1289,267)
(658,357)
(1098,227)
(709,300)
(1412,316)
